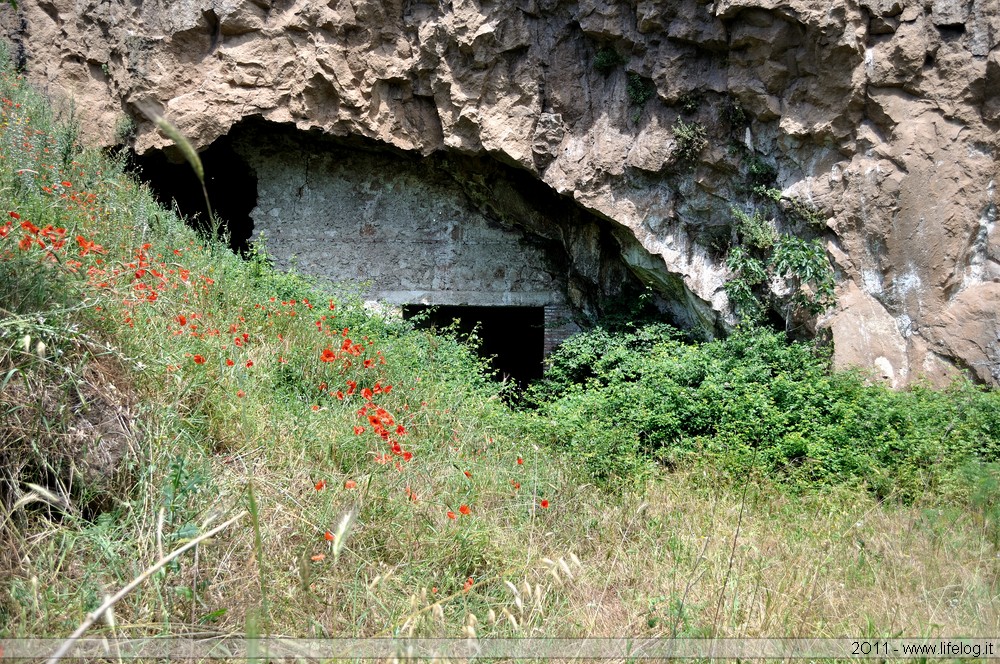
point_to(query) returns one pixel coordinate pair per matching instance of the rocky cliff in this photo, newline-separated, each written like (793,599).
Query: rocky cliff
(877,117)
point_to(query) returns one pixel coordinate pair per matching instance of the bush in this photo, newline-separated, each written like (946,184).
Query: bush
(608,59)
(689,141)
(639,89)
(756,403)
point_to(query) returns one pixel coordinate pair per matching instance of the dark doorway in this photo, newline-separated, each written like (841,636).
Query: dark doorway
(231,185)
(512,337)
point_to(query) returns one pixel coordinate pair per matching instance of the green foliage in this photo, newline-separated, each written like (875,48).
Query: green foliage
(760,173)
(755,403)
(690,101)
(734,114)
(608,59)
(755,230)
(804,213)
(689,141)
(639,89)
(804,266)
(125,130)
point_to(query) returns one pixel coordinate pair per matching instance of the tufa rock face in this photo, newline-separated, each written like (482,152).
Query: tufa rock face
(883,114)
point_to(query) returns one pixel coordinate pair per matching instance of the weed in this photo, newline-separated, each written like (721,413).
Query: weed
(639,89)
(689,141)
(608,59)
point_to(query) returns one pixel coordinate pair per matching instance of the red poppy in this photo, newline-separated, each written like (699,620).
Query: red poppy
(320,485)
(467,586)
(241,394)
(516,485)
(520,461)
(366,394)
(328,355)
(451,515)
(67,183)
(350,484)
(544,504)
(229,362)
(249,363)
(315,407)
(199,359)
(328,536)
(465,509)
(340,395)
(318,557)
(15,215)
(369,363)
(407,456)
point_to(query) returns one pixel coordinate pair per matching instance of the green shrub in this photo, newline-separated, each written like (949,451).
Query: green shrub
(689,141)
(755,402)
(608,59)
(639,89)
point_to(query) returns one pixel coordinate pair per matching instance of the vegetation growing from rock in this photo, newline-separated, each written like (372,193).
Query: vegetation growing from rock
(608,59)
(381,487)
(689,141)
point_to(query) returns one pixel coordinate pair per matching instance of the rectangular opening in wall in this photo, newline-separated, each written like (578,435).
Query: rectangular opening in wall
(513,337)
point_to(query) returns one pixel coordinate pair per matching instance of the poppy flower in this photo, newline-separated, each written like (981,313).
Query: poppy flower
(358,430)
(544,504)
(464,509)
(451,515)
(199,359)
(241,394)
(318,557)
(249,363)
(328,355)
(181,320)
(468,474)
(407,456)
(340,395)
(315,407)
(467,586)
(320,485)
(516,485)
(520,461)
(229,362)
(328,536)
(369,363)
(15,215)
(350,484)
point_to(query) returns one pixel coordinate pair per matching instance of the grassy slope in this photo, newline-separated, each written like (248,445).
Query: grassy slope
(157,312)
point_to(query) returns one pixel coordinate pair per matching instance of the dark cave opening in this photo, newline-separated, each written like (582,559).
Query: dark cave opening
(230,182)
(513,338)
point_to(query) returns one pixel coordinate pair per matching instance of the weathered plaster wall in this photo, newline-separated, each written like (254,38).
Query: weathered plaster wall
(409,233)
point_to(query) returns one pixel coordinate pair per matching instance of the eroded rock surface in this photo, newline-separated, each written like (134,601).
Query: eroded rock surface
(881,113)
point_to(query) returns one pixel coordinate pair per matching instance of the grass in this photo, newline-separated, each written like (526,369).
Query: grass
(203,377)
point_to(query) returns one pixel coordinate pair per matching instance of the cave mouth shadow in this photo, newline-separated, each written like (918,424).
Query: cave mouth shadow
(230,181)
(511,338)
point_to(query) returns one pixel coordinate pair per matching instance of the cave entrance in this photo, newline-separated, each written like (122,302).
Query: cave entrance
(231,184)
(513,338)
